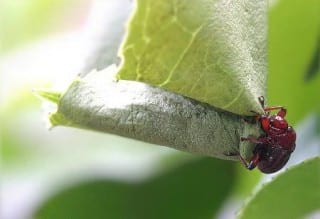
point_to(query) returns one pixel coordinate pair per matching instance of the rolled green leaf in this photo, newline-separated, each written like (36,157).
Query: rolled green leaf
(143,112)
(204,67)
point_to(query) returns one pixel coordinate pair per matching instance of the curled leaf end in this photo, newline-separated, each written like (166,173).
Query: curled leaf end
(48,95)
(57,118)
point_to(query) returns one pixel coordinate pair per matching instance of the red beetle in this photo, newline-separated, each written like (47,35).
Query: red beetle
(274,148)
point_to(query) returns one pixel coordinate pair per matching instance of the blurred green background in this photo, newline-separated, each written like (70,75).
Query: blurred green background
(69,173)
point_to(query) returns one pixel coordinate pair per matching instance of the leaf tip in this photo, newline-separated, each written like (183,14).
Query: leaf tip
(48,95)
(56,119)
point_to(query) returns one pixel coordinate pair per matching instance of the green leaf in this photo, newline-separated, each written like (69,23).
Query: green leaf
(140,111)
(294,30)
(226,52)
(195,189)
(293,194)
(213,51)
(314,66)
(49,95)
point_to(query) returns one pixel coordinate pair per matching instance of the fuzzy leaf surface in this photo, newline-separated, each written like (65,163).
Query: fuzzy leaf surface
(213,51)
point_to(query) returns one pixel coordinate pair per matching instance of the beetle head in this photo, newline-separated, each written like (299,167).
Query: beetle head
(278,122)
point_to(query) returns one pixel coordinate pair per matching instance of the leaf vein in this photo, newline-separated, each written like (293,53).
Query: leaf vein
(182,55)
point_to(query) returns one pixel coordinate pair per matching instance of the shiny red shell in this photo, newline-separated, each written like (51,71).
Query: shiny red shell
(273,149)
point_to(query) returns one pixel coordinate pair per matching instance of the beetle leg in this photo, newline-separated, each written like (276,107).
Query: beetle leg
(282,112)
(255,140)
(253,161)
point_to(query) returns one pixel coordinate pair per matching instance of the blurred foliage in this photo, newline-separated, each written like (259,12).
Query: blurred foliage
(294,30)
(293,194)
(195,189)
(12,149)
(24,20)
(314,66)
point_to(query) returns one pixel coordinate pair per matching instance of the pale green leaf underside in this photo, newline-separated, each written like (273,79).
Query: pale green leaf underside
(213,51)
(146,113)
(293,194)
